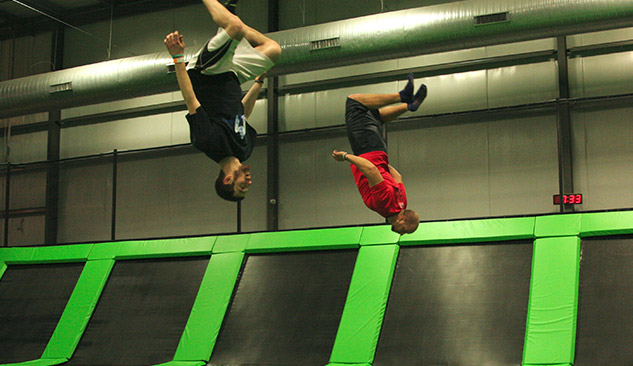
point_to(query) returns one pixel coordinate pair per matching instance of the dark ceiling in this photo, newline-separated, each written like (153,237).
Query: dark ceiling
(28,17)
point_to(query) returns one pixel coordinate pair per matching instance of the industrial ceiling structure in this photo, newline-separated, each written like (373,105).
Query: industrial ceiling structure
(28,17)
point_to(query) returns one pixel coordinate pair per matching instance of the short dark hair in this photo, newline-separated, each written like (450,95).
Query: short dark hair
(225,191)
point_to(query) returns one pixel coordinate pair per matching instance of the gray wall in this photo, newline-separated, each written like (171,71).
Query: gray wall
(470,151)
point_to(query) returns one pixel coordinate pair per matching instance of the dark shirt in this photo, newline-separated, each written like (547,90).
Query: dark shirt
(218,127)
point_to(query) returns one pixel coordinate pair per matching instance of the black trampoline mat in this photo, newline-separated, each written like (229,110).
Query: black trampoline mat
(457,305)
(286,309)
(32,300)
(604,332)
(142,312)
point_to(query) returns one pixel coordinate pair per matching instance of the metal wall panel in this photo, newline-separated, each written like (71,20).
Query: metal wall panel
(521,47)
(85,201)
(26,148)
(125,134)
(454,93)
(121,105)
(522,84)
(602,157)
(589,76)
(297,111)
(28,189)
(445,170)
(442,58)
(587,39)
(315,190)
(523,163)
(170,196)
(339,72)
(259,117)
(25,231)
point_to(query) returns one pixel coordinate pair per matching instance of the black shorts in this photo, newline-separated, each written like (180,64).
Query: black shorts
(364,128)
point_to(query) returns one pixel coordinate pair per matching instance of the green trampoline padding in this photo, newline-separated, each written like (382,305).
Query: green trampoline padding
(3,268)
(183,363)
(153,248)
(212,301)
(285,241)
(231,243)
(606,223)
(378,235)
(364,310)
(453,232)
(40,362)
(552,310)
(79,309)
(557,225)
(52,254)
(348,364)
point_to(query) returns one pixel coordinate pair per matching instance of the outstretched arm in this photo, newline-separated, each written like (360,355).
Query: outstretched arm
(394,173)
(365,166)
(251,96)
(176,47)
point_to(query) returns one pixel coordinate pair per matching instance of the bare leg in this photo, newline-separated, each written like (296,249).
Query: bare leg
(233,25)
(375,101)
(388,114)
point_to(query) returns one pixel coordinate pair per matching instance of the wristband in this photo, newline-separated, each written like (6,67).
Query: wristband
(259,81)
(344,156)
(179,60)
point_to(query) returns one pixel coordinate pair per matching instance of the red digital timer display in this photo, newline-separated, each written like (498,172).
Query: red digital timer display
(574,198)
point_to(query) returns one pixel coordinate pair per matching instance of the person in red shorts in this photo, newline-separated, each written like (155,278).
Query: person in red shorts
(380,185)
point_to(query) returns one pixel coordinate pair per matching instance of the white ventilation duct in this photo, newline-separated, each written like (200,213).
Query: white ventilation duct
(431,29)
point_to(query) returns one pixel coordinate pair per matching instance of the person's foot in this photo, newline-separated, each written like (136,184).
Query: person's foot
(418,98)
(231,5)
(406,94)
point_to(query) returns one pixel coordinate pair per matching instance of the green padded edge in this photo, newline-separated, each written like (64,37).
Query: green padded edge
(348,364)
(606,223)
(376,235)
(231,243)
(153,248)
(79,309)
(552,309)
(362,318)
(452,232)
(39,362)
(52,254)
(209,308)
(284,241)
(557,225)
(548,364)
(183,363)
(3,268)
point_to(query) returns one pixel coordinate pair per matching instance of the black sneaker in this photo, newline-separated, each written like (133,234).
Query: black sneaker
(406,94)
(418,98)
(231,5)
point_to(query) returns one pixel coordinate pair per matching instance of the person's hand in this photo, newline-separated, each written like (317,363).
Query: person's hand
(339,155)
(174,43)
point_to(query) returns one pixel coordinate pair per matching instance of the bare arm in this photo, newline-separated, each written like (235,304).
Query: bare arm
(394,173)
(365,166)
(176,46)
(251,96)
